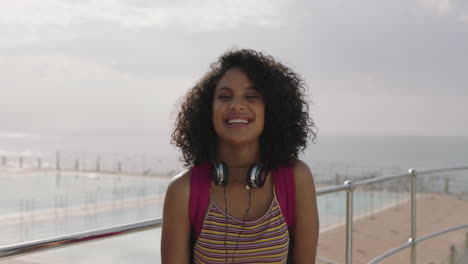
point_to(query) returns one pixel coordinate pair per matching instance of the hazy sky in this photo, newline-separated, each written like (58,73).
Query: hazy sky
(372,66)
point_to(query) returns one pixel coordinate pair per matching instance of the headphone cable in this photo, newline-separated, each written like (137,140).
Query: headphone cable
(243,223)
(226,229)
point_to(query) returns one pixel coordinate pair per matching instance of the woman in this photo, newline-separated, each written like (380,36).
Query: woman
(240,129)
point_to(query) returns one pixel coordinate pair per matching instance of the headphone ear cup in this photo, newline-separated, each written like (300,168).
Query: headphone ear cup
(220,174)
(261,176)
(256,176)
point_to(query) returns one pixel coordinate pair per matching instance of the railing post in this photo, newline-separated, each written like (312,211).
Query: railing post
(349,222)
(466,244)
(453,254)
(57,160)
(447,190)
(98,164)
(413,216)
(119,167)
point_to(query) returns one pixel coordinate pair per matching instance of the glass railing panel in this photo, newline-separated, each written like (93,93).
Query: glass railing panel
(404,256)
(449,248)
(442,203)
(332,217)
(381,213)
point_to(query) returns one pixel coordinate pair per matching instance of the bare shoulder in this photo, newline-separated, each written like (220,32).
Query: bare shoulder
(306,230)
(175,233)
(301,170)
(303,176)
(176,200)
(180,185)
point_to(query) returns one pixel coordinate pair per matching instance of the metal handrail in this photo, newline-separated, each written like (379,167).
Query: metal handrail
(349,186)
(332,189)
(30,247)
(409,243)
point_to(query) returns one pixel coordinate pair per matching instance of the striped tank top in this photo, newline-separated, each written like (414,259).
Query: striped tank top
(265,240)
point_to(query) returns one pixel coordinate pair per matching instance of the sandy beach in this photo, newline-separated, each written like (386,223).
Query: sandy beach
(387,229)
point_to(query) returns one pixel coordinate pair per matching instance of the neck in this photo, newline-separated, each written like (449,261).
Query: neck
(239,156)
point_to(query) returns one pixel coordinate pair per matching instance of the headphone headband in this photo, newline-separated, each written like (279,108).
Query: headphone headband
(256,176)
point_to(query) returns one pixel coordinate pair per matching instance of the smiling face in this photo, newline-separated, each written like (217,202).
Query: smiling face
(238,109)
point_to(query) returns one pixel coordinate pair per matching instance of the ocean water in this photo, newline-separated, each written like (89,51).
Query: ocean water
(332,158)
(47,203)
(151,150)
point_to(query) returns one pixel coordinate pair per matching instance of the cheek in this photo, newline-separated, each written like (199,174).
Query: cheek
(216,115)
(215,111)
(262,112)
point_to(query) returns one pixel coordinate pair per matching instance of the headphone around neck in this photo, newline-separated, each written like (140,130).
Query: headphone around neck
(256,175)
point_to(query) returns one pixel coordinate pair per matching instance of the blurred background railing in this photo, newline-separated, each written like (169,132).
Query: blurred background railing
(122,163)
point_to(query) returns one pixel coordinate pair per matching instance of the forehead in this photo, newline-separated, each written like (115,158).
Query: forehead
(234,79)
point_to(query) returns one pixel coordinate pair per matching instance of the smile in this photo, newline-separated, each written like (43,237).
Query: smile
(238,122)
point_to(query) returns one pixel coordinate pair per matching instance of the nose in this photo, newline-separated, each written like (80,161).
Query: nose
(236,104)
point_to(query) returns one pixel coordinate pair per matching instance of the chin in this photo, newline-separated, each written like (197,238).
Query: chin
(239,140)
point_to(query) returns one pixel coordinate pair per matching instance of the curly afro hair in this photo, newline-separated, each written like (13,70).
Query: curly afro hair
(288,125)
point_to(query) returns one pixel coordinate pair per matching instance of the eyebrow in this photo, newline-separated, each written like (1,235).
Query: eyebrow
(230,89)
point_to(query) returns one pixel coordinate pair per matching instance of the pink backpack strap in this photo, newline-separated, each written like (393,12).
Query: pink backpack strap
(283,178)
(200,184)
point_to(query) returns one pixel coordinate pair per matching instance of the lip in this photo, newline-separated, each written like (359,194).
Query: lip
(235,116)
(237,125)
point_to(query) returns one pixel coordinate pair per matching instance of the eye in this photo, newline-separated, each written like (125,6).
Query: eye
(223,97)
(253,97)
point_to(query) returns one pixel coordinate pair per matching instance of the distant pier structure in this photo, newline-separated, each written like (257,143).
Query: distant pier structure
(119,163)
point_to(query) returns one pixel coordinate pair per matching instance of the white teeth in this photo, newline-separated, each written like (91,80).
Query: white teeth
(238,121)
